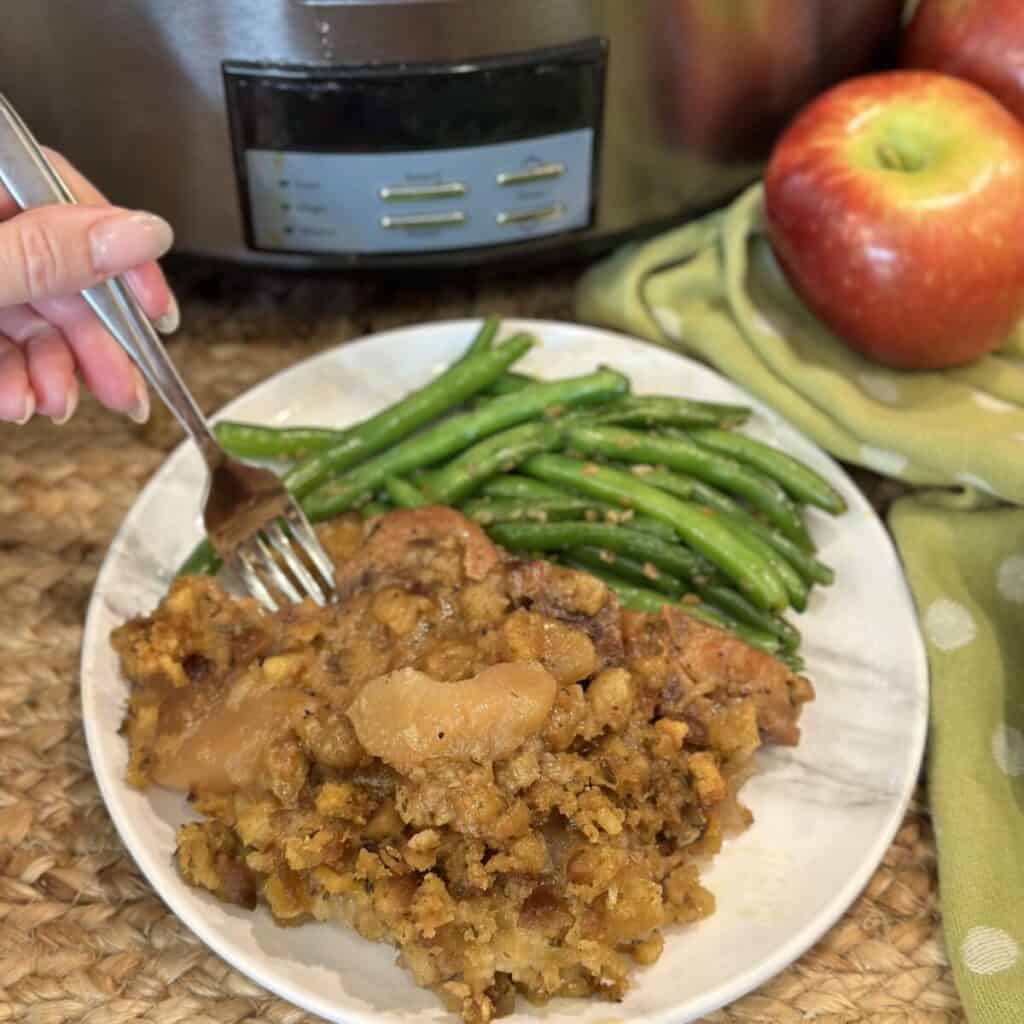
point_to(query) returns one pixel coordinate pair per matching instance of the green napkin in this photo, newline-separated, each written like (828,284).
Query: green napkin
(713,289)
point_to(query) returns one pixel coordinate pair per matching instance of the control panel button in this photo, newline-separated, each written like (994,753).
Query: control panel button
(424,220)
(413,193)
(531,173)
(535,215)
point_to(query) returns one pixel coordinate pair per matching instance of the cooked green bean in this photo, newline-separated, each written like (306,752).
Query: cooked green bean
(739,608)
(387,428)
(528,489)
(510,381)
(374,508)
(405,494)
(252,441)
(203,561)
(486,511)
(802,482)
(512,485)
(811,570)
(641,599)
(666,410)
(796,588)
(498,453)
(641,574)
(711,538)
(678,453)
(671,558)
(458,433)
(483,340)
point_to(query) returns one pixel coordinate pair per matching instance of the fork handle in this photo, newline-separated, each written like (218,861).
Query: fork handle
(32,181)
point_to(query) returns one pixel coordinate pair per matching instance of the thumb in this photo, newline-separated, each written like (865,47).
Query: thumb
(58,250)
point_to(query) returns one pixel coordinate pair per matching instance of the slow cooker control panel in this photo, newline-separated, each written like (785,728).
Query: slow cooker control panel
(417,159)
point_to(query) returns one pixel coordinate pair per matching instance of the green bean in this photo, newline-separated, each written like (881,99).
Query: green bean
(739,608)
(483,340)
(203,561)
(496,454)
(528,489)
(486,511)
(741,521)
(810,569)
(671,558)
(509,382)
(372,509)
(387,428)
(458,433)
(719,544)
(659,410)
(802,482)
(252,441)
(405,494)
(677,453)
(641,574)
(642,599)
(515,486)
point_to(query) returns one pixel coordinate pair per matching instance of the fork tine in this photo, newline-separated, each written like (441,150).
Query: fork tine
(243,565)
(277,576)
(281,543)
(307,539)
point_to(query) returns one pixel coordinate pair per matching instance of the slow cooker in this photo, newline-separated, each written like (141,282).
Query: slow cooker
(412,132)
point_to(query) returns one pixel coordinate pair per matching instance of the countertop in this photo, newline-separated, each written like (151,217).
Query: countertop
(82,936)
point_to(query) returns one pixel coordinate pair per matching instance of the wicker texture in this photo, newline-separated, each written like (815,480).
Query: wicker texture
(82,936)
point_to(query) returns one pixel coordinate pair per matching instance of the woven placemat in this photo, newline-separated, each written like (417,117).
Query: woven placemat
(82,935)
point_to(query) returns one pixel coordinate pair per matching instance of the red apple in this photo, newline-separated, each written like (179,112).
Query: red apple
(980,40)
(895,203)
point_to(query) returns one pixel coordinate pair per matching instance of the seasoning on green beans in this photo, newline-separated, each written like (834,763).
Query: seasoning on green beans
(486,511)
(797,479)
(641,574)
(672,558)
(678,453)
(526,489)
(704,534)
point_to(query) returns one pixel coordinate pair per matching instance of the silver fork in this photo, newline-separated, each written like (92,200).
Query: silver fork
(255,526)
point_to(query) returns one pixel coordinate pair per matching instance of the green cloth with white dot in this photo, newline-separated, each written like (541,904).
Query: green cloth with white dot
(713,289)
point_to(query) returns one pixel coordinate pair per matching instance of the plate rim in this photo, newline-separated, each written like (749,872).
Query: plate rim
(712,999)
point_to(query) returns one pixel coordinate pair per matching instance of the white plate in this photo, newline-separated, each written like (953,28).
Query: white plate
(825,812)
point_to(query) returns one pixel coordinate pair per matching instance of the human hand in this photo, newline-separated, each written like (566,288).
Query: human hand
(49,337)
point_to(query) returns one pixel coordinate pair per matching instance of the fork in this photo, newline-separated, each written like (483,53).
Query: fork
(255,526)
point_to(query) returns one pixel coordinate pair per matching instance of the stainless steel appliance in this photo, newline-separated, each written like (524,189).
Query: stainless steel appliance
(404,132)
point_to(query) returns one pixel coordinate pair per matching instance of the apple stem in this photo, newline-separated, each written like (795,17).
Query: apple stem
(892,158)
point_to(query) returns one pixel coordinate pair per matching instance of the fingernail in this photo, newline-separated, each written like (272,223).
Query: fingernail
(125,240)
(69,409)
(28,410)
(139,412)
(168,322)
